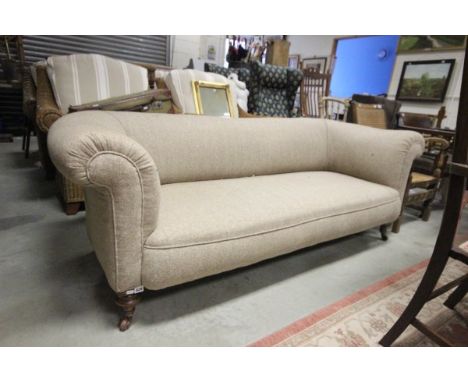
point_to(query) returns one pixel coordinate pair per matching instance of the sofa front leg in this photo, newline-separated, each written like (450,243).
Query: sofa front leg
(127,304)
(383,232)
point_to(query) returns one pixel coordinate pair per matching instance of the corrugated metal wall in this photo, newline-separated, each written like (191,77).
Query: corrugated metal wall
(151,49)
(10,94)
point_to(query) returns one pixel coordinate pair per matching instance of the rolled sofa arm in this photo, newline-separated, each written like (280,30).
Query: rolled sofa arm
(47,110)
(377,155)
(122,189)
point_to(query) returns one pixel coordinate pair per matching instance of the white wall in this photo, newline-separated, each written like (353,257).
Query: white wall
(185,47)
(309,46)
(453,92)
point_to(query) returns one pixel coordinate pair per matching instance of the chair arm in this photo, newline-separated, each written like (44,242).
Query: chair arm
(377,155)
(122,189)
(47,110)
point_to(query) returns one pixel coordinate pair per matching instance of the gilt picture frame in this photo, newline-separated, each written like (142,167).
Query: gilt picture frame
(213,98)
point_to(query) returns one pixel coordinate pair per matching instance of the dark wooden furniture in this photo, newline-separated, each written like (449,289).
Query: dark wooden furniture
(314,86)
(29,109)
(425,179)
(278,52)
(390,107)
(446,134)
(444,247)
(11,70)
(423,120)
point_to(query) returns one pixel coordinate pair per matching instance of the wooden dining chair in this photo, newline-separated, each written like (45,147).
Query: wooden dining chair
(314,86)
(372,115)
(425,179)
(334,108)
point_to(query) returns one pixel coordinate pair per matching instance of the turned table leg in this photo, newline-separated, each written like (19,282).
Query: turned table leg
(127,304)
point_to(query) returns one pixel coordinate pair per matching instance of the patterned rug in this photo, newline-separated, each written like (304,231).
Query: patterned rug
(364,317)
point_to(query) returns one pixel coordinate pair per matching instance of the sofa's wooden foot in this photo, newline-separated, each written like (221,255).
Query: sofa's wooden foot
(383,232)
(127,304)
(72,208)
(426,213)
(396,225)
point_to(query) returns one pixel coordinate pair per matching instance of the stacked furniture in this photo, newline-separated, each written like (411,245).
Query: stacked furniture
(29,109)
(83,79)
(427,121)
(334,108)
(425,179)
(180,83)
(314,87)
(390,108)
(372,115)
(272,88)
(174,198)
(446,246)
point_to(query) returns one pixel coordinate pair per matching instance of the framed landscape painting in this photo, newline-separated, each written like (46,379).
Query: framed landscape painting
(425,81)
(412,44)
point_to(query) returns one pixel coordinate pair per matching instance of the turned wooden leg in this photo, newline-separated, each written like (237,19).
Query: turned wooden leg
(72,208)
(127,304)
(383,232)
(396,225)
(457,295)
(426,213)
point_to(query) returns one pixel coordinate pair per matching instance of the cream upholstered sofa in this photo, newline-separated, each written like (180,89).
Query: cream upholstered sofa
(173,198)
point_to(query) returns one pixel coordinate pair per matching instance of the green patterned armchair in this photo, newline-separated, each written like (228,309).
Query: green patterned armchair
(243,74)
(272,88)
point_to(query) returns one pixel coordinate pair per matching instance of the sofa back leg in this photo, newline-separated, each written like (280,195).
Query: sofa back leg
(383,232)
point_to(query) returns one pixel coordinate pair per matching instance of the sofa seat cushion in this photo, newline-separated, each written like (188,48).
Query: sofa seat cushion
(212,226)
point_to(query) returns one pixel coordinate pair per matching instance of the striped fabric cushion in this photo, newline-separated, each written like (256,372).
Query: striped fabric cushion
(82,78)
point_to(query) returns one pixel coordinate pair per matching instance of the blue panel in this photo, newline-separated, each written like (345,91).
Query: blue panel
(363,65)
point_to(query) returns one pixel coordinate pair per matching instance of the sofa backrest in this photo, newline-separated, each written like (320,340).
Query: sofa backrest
(189,148)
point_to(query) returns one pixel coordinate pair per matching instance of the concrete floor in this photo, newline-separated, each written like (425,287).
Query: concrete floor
(53,292)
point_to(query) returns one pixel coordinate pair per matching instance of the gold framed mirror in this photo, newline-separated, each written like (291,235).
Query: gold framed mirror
(213,98)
